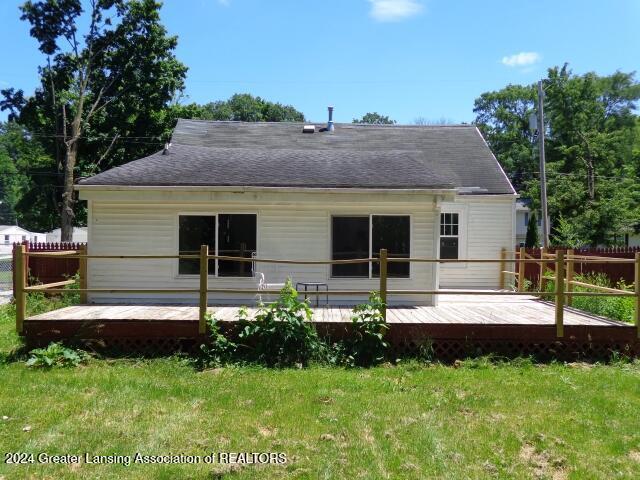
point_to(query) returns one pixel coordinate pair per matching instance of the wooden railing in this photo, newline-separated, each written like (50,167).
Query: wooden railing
(564,278)
(558,260)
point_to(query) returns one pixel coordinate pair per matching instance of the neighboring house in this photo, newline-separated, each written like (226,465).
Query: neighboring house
(338,192)
(632,240)
(10,234)
(79,235)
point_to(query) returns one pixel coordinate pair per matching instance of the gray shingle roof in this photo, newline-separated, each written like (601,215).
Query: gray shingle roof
(353,156)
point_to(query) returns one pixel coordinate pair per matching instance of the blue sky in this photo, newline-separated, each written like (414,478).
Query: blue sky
(402,58)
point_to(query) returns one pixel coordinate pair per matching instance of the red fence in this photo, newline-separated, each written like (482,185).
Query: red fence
(48,270)
(615,271)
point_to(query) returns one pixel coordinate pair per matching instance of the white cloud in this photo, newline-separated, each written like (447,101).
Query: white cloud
(522,59)
(394,10)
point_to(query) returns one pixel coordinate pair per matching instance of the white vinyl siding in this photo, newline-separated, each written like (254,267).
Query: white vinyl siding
(290,226)
(486,225)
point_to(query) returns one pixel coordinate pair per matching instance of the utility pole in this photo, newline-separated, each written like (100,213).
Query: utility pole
(543,174)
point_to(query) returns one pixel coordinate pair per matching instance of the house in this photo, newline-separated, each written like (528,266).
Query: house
(10,234)
(632,240)
(79,235)
(295,191)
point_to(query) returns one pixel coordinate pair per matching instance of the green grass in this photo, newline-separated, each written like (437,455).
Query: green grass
(479,420)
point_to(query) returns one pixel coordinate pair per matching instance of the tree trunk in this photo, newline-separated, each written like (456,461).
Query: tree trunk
(591,169)
(591,179)
(68,199)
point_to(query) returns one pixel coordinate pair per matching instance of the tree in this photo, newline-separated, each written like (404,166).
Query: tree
(533,238)
(104,93)
(374,118)
(20,159)
(247,108)
(503,119)
(428,121)
(591,130)
(566,235)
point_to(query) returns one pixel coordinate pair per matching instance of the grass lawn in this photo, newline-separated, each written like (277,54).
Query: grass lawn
(479,420)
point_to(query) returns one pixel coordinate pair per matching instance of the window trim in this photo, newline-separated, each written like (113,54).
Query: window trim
(176,267)
(370,217)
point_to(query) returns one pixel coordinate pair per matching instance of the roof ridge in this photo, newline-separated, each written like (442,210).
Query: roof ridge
(342,124)
(306,151)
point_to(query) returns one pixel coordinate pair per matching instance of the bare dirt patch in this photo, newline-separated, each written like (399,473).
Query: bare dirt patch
(543,464)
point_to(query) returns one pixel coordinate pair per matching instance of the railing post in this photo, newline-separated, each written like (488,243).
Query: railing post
(383,280)
(20,282)
(560,293)
(637,291)
(521,266)
(570,272)
(204,285)
(503,266)
(82,270)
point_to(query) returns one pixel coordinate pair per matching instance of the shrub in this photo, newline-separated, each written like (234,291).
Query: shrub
(426,351)
(533,237)
(218,350)
(616,308)
(368,346)
(56,355)
(281,334)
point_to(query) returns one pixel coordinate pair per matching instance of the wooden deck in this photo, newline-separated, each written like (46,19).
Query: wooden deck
(508,325)
(453,309)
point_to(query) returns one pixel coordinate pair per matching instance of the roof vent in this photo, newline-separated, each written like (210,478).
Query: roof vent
(330,126)
(166,148)
(309,129)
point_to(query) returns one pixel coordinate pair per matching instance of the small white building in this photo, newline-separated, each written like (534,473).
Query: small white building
(632,240)
(10,234)
(79,235)
(305,192)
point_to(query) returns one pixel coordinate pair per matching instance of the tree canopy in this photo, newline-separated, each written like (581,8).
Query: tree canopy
(592,144)
(247,108)
(104,95)
(374,118)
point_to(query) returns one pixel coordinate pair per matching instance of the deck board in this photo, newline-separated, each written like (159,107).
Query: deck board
(452,309)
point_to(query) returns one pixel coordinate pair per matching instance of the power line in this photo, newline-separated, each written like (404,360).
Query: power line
(94,138)
(582,175)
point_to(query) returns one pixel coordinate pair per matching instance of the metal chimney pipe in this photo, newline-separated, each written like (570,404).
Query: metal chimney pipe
(330,126)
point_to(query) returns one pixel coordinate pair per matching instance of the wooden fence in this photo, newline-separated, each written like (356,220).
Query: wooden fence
(560,262)
(615,272)
(46,269)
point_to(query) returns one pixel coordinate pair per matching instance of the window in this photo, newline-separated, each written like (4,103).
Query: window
(236,237)
(392,233)
(24,238)
(6,239)
(526,219)
(350,239)
(362,237)
(449,235)
(194,231)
